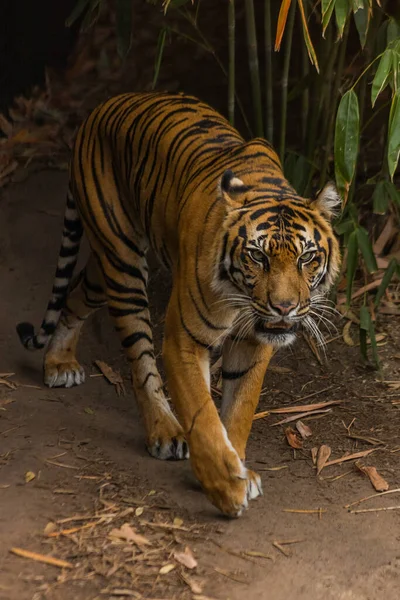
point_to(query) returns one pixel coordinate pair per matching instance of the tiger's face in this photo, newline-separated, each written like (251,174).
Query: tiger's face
(279,257)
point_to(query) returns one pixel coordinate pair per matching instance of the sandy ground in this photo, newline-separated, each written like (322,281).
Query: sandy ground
(338,555)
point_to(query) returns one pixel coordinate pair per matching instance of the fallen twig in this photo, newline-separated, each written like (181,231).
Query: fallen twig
(397,490)
(49,560)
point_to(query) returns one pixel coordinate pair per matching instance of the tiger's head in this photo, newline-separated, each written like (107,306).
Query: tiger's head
(278,257)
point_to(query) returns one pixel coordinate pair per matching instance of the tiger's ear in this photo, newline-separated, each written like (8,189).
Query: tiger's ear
(328,201)
(231,189)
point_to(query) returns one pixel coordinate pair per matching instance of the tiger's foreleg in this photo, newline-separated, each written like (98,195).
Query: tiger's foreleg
(215,462)
(244,363)
(61,369)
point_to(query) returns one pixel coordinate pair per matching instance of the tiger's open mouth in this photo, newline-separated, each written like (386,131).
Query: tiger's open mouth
(280,328)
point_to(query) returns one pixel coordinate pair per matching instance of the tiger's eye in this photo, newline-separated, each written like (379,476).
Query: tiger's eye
(257,256)
(306,257)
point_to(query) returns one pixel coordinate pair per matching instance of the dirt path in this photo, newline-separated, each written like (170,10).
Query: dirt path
(97,434)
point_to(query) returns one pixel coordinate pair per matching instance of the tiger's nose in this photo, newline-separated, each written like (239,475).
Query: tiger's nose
(283,308)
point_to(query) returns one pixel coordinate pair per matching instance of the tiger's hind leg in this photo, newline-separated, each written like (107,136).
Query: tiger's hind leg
(125,274)
(61,369)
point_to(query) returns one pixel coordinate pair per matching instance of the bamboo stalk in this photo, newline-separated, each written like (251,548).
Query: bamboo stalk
(254,67)
(269,96)
(333,105)
(231,61)
(285,77)
(305,96)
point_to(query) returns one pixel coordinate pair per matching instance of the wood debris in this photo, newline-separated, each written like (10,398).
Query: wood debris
(378,482)
(49,560)
(347,457)
(111,376)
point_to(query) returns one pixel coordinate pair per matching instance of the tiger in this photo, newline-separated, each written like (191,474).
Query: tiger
(251,262)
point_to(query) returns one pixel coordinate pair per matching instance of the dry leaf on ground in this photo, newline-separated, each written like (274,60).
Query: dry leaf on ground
(292,438)
(186,558)
(346,334)
(323,455)
(127,533)
(314,454)
(380,484)
(303,429)
(29,476)
(111,376)
(167,569)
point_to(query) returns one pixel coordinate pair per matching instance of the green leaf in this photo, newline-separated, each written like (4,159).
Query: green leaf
(393,193)
(357,5)
(341,14)
(79,8)
(365,246)
(380,198)
(306,35)
(352,256)
(362,19)
(327,9)
(367,328)
(124,26)
(393,30)
(382,75)
(394,135)
(386,279)
(297,169)
(91,14)
(159,55)
(344,227)
(347,132)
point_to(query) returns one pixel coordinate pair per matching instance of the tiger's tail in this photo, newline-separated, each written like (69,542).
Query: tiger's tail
(67,259)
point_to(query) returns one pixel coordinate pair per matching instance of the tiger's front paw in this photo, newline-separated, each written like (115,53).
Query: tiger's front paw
(226,481)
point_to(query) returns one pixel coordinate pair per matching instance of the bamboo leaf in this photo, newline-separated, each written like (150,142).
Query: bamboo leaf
(347,132)
(91,14)
(327,10)
(380,198)
(394,135)
(310,48)
(362,17)
(386,279)
(79,8)
(357,5)
(382,75)
(393,30)
(393,193)
(344,227)
(341,13)
(159,55)
(124,26)
(352,256)
(365,246)
(282,18)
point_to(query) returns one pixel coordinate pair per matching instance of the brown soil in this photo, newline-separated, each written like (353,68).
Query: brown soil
(338,555)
